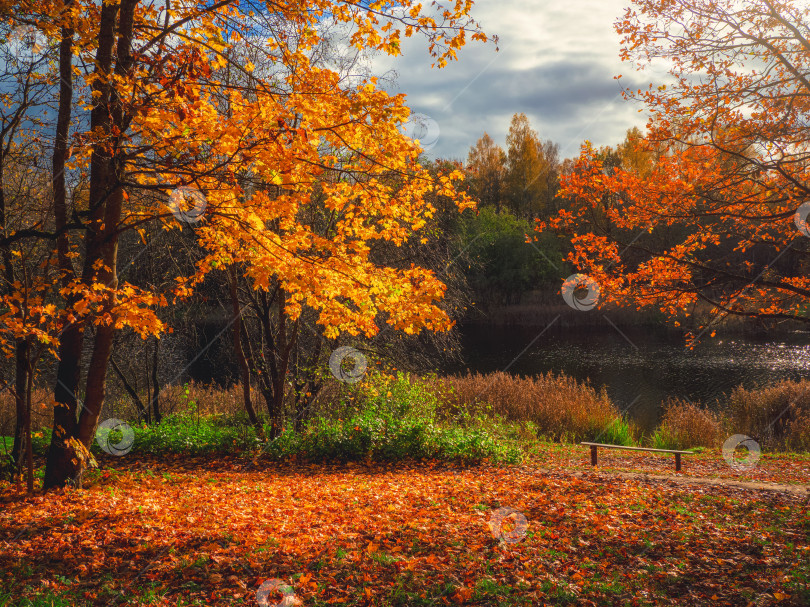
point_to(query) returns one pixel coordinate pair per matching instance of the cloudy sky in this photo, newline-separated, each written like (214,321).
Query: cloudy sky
(556,63)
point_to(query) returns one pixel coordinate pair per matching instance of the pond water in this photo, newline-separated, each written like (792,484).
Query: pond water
(640,368)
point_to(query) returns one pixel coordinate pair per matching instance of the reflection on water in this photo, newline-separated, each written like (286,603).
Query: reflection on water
(640,368)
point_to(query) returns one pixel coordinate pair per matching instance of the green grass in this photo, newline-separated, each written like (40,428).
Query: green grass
(39,598)
(663,439)
(618,432)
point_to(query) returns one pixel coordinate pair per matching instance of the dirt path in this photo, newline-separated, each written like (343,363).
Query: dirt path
(795,489)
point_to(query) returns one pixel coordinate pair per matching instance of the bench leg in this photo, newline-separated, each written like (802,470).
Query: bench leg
(677,462)
(593,455)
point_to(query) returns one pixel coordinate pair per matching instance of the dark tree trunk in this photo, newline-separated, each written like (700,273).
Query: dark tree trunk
(59,466)
(307,387)
(244,369)
(280,363)
(29,449)
(156,383)
(270,360)
(106,202)
(101,242)
(21,354)
(21,346)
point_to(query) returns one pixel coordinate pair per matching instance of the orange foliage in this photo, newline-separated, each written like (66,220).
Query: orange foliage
(714,218)
(218,102)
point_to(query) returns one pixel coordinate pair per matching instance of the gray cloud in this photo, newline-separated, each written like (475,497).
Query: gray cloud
(567,101)
(556,64)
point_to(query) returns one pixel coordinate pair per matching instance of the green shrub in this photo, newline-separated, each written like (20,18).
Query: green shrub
(662,438)
(185,433)
(393,418)
(472,445)
(617,432)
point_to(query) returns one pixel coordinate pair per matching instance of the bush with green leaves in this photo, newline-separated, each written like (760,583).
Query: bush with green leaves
(503,265)
(383,418)
(617,432)
(393,418)
(186,433)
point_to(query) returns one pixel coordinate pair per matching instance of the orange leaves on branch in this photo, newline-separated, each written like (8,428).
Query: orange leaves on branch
(267,139)
(702,207)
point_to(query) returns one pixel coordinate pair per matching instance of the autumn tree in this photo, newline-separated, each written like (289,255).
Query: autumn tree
(27,330)
(153,114)
(286,356)
(636,155)
(437,247)
(718,220)
(486,169)
(531,166)
(631,155)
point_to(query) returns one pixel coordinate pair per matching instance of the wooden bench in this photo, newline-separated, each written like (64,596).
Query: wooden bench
(594,446)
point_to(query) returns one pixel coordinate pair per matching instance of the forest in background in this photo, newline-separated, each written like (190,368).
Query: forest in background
(228,187)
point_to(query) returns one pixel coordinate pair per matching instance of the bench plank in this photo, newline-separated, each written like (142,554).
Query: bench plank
(635,448)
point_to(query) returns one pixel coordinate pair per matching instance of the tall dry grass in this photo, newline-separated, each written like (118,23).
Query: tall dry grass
(685,425)
(777,416)
(560,407)
(205,399)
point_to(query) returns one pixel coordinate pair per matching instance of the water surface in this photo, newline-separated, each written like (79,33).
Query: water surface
(640,368)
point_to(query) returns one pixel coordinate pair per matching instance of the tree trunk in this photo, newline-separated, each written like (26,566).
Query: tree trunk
(244,369)
(280,365)
(306,390)
(59,467)
(29,449)
(106,200)
(95,391)
(20,383)
(101,240)
(20,345)
(156,383)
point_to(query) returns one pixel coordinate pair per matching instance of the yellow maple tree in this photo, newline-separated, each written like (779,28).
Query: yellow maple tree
(214,114)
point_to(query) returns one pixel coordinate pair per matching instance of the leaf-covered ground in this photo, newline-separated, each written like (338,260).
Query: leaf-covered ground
(210,532)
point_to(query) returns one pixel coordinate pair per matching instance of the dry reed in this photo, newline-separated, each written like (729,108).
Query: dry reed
(559,406)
